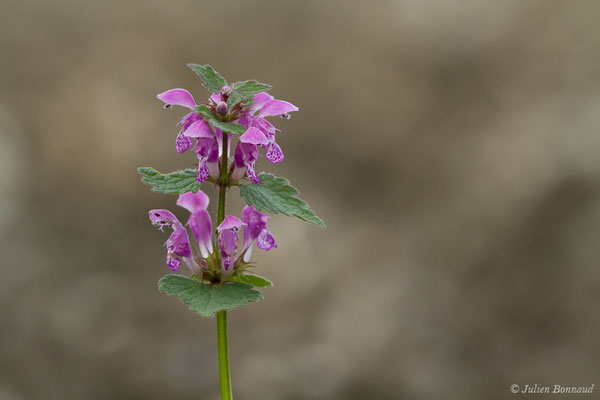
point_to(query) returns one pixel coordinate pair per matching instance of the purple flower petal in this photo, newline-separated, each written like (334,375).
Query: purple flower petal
(274,153)
(248,253)
(162,218)
(266,127)
(238,156)
(203,172)
(265,240)
(178,245)
(201,226)
(177,97)
(173,262)
(245,157)
(203,149)
(193,202)
(256,229)
(239,169)
(277,107)
(188,119)
(230,223)
(250,155)
(228,240)
(260,99)
(183,143)
(199,222)
(199,129)
(213,161)
(251,172)
(255,221)
(254,136)
(216,97)
(228,244)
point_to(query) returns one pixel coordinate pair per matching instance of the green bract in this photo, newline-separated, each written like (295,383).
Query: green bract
(206,299)
(276,195)
(228,127)
(254,280)
(245,90)
(212,80)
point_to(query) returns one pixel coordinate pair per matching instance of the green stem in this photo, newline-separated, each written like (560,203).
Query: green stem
(223,182)
(224,377)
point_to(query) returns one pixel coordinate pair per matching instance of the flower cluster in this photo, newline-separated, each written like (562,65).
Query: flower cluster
(258,132)
(202,260)
(200,132)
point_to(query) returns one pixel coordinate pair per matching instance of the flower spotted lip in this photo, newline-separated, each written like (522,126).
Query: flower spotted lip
(181,97)
(253,223)
(256,230)
(228,241)
(178,245)
(245,156)
(207,150)
(193,126)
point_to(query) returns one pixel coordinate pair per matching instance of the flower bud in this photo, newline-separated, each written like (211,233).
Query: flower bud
(222,108)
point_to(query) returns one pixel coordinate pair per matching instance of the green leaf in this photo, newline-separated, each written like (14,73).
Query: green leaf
(205,112)
(245,89)
(224,126)
(206,299)
(177,182)
(212,80)
(254,280)
(276,195)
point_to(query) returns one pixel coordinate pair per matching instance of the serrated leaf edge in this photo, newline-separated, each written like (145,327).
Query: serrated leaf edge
(293,194)
(207,315)
(187,188)
(207,84)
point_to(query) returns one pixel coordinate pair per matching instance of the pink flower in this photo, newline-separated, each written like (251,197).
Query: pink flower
(228,241)
(193,126)
(256,230)
(264,105)
(259,132)
(178,244)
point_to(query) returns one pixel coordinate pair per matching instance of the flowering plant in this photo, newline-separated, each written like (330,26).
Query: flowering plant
(217,258)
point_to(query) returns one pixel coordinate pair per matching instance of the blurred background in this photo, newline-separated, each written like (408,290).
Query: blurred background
(451,147)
